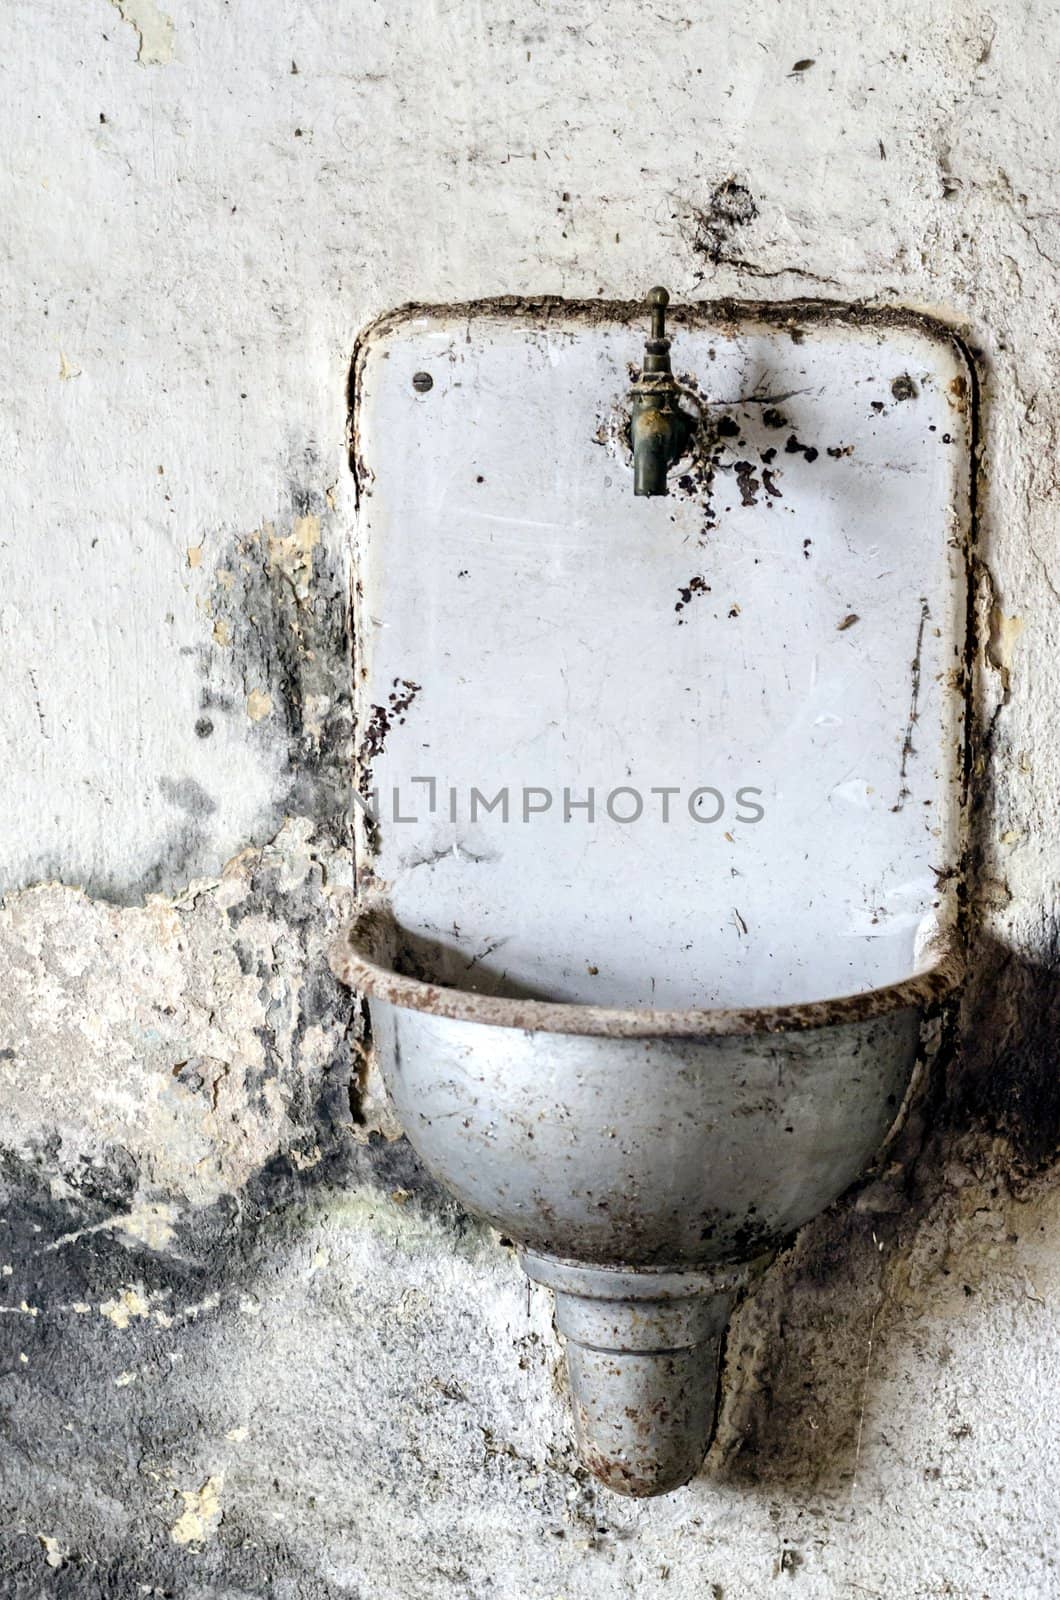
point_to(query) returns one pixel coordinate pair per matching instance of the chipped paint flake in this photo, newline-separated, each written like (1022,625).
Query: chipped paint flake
(54,1553)
(259,705)
(293,554)
(1004,631)
(151,1224)
(154,30)
(202,1512)
(129,1304)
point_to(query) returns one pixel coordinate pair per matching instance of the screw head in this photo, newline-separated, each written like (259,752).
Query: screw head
(422,381)
(658,297)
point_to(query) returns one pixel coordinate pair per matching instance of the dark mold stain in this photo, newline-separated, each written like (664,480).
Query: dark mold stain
(66,1422)
(289,642)
(730,208)
(188,842)
(188,795)
(1007,1078)
(293,642)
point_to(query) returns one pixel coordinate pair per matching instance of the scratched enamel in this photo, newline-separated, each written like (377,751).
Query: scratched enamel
(782,635)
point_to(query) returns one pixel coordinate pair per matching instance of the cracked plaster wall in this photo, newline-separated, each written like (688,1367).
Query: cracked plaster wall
(246,1347)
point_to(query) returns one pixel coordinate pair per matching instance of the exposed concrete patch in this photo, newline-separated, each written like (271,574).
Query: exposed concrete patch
(203,1028)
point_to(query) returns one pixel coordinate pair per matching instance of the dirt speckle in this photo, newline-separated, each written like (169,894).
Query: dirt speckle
(747,483)
(694,586)
(809,452)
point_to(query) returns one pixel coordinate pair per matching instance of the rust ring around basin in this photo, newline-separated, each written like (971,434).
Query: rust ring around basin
(355,960)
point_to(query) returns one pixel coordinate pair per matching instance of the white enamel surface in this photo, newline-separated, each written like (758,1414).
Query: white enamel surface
(528,608)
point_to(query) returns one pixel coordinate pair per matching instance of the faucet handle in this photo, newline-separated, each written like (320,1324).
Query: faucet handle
(658,299)
(657,345)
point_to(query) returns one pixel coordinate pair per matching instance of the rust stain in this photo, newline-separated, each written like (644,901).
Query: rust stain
(354,961)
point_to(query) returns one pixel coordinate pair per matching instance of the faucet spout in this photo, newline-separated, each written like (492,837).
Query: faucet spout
(660,432)
(660,429)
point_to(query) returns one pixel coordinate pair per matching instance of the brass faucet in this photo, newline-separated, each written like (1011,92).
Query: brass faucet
(660,429)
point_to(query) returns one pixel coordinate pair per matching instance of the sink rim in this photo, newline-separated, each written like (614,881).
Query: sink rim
(353,962)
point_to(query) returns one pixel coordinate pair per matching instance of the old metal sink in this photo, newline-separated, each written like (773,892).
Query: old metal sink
(643,784)
(645,1161)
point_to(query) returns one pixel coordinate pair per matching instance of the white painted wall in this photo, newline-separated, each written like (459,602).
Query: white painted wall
(201,211)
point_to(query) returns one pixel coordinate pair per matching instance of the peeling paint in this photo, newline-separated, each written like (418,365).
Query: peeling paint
(1004,631)
(153,28)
